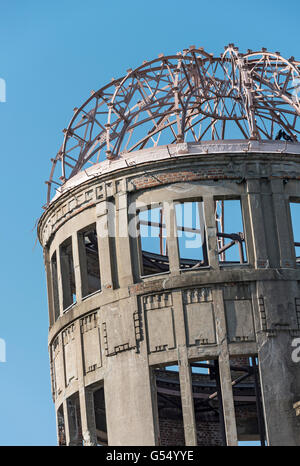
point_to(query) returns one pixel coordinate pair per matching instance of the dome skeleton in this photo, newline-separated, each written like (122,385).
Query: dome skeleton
(192,96)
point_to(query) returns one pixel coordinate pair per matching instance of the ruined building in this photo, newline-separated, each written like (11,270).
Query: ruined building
(170,241)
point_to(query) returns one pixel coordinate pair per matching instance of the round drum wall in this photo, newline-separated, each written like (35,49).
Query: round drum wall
(174,298)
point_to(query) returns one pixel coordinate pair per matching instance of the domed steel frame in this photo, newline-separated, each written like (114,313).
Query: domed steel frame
(191,96)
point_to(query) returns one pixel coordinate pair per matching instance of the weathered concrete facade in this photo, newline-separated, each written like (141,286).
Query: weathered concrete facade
(114,338)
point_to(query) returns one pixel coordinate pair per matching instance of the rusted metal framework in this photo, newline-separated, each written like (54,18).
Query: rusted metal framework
(160,263)
(190,96)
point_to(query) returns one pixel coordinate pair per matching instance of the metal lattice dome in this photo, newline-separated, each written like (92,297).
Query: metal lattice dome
(191,96)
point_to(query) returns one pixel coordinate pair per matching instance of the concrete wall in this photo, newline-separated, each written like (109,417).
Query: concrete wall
(115,336)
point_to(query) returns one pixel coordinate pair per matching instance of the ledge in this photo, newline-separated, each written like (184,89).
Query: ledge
(174,151)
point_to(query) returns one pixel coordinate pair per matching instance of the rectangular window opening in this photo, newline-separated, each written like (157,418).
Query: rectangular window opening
(191,237)
(75,428)
(295,216)
(55,286)
(153,241)
(61,433)
(230,231)
(170,418)
(100,417)
(208,405)
(89,261)
(67,273)
(247,401)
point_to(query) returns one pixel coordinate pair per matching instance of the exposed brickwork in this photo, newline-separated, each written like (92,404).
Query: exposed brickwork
(208,431)
(207,422)
(208,434)
(157,179)
(171,432)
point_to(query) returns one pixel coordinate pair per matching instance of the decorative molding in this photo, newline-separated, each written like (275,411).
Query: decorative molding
(69,347)
(262,314)
(159,321)
(88,322)
(239,339)
(199,316)
(55,346)
(53,381)
(90,338)
(157,301)
(68,334)
(272,332)
(56,367)
(197,295)
(83,198)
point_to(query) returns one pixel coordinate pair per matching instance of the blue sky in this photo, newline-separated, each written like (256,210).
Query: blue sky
(52,54)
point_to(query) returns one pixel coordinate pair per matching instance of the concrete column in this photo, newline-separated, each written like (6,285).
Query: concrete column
(102,228)
(154,405)
(247,230)
(279,374)
(185,376)
(57,429)
(259,245)
(125,274)
(172,240)
(285,237)
(135,241)
(224,369)
(203,230)
(59,282)
(129,413)
(61,362)
(269,222)
(50,293)
(211,231)
(280,387)
(54,286)
(186,390)
(227,398)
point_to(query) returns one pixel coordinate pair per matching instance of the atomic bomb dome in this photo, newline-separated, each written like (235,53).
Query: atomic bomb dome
(170,237)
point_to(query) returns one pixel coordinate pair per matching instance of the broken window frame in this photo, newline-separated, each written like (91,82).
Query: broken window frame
(172,397)
(61,428)
(86,288)
(67,277)
(237,239)
(74,419)
(199,264)
(250,370)
(162,226)
(212,373)
(100,415)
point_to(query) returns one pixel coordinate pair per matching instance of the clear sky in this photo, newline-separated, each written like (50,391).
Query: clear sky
(52,54)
